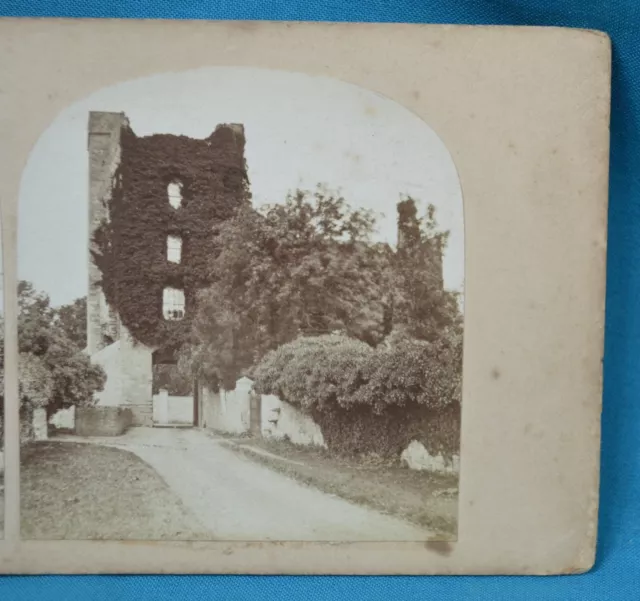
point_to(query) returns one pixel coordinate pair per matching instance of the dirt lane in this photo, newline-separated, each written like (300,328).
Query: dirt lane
(237,499)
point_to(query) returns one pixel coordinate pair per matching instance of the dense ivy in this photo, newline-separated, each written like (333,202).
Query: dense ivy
(359,430)
(131,250)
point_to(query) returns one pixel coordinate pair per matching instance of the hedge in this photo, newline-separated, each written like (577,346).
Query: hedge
(371,400)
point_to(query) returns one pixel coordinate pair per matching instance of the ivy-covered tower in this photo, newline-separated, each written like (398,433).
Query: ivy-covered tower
(154,204)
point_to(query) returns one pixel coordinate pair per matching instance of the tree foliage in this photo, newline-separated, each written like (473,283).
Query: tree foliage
(75,378)
(72,318)
(306,266)
(36,381)
(53,372)
(422,308)
(413,372)
(336,370)
(309,267)
(169,377)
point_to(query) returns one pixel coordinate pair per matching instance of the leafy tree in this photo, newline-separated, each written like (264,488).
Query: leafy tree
(75,378)
(72,318)
(53,372)
(35,319)
(169,377)
(307,266)
(35,381)
(422,307)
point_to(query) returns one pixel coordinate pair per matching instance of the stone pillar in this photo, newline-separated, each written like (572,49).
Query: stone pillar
(40,427)
(242,392)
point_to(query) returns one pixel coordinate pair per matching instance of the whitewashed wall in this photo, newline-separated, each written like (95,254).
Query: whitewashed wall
(230,411)
(280,420)
(129,369)
(109,359)
(227,410)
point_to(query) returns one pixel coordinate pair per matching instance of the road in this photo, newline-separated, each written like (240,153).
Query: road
(238,499)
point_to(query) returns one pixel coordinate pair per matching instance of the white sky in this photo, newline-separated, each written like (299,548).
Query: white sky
(300,131)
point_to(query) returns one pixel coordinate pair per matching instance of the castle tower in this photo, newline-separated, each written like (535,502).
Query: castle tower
(153,204)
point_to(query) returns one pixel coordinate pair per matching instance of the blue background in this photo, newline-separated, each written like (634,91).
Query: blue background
(617,571)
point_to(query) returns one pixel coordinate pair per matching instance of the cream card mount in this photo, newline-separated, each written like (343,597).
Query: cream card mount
(295,298)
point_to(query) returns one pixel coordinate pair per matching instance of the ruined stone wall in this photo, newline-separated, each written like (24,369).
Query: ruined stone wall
(102,421)
(104,146)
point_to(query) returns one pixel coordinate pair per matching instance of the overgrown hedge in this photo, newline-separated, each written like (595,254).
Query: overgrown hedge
(360,431)
(371,400)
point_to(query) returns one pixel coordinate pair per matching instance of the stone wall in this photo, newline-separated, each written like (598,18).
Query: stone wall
(282,420)
(227,410)
(102,421)
(230,411)
(110,360)
(416,457)
(129,369)
(104,148)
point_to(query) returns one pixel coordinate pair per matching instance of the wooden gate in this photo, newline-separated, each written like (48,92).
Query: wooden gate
(255,413)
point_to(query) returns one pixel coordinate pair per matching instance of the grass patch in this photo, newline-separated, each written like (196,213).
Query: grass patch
(425,499)
(85,491)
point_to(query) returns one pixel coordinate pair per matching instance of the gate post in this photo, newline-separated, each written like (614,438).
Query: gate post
(255,415)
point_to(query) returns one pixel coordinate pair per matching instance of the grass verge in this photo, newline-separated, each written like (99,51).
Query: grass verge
(85,491)
(425,499)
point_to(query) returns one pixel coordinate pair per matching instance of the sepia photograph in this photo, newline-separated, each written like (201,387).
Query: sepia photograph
(241,315)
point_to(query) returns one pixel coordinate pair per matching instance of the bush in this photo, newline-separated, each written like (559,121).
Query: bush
(53,371)
(75,379)
(35,381)
(371,400)
(359,430)
(413,372)
(314,372)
